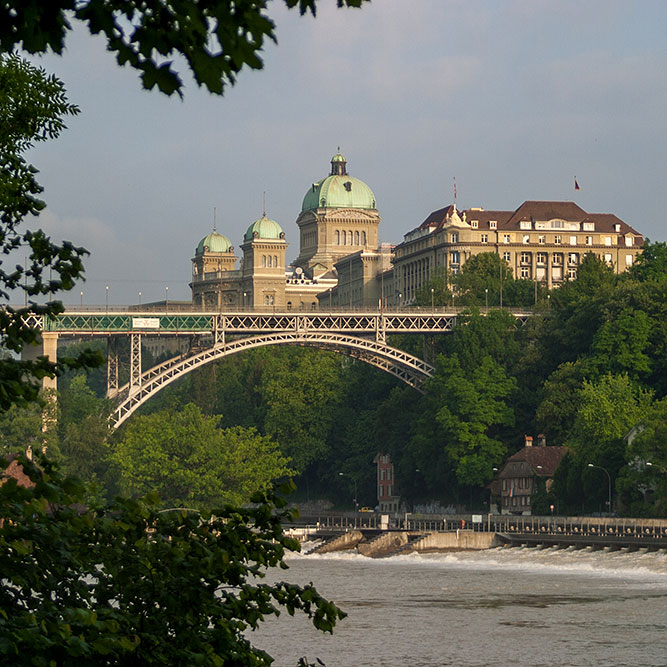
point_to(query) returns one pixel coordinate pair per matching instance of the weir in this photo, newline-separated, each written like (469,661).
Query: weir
(445,533)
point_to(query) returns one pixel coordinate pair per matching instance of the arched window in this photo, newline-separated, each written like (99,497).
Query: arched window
(275,261)
(337,237)
(363,238)
(289,305)
(263,260)
(356,238)
(349,238)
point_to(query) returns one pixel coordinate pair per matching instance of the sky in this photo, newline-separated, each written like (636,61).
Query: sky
(513,98)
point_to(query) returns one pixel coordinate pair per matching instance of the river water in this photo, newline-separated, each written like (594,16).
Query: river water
(505,606)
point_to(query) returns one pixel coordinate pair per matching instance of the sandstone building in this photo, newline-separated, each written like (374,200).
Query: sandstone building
(342,264)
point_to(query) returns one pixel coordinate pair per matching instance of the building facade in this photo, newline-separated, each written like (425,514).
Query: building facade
(542,241)
(516,482)
(338,218)
(342,264)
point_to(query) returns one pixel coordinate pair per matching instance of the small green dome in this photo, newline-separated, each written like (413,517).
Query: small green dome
(338,190)
(214,242)
(264,228)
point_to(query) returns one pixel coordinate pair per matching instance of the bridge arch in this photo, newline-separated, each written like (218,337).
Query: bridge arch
(408,368)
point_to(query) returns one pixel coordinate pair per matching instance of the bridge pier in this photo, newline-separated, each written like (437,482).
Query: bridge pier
(135,363)
(46,347)
(112,366)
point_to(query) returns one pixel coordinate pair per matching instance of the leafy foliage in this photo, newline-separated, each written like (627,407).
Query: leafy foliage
(191,462)
(216,38)
(32,107)
(128,584)
(467,404)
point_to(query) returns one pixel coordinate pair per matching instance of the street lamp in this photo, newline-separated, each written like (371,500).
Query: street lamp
(432,295)
(139,298)
(354,500)
(653,465)
(81,295)
(166,299)
(486,299)
(590,465)
(106,287)
(245,299)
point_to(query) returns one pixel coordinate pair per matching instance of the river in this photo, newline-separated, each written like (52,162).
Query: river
(505,606)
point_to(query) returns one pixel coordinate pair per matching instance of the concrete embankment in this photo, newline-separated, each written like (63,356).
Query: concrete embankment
(343,542)
(459,540)
(392,542)
(384,545)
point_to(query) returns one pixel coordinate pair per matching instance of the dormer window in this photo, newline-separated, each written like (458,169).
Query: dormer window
(493,224)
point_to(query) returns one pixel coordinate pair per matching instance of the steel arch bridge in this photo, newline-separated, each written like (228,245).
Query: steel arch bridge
(406,367)
(213,336)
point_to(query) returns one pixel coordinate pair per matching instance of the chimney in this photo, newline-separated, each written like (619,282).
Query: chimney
(529,440)
(541,440)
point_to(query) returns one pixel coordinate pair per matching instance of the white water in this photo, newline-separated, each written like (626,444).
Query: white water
(515,606)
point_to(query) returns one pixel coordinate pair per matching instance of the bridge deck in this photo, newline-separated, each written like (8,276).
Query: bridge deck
(105,322)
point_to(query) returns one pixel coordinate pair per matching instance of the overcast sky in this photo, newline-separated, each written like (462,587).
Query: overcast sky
(514,98)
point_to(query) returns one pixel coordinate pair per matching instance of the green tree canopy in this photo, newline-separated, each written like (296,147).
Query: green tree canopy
(128,584)
(300,391)
(468,403)
(217,38)
(607,410)
(651,264)
(189,461)
(33,107)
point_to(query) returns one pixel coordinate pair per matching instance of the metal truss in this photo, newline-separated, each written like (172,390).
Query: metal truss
(406,367)
(135,363)
(376,323)
(112,366)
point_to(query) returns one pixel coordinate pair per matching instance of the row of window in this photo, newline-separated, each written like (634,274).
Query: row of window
(302,306)
(342,237)
(384,490)
(542,239)
(270,261)
(385,473)
(517,483)
(514,501)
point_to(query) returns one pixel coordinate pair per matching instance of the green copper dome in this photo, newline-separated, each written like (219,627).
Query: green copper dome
(264,228)
(214,242)
(338,190)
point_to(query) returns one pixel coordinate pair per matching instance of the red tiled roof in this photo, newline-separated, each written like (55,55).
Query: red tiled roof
(547,458)
(531,210)
(15,470)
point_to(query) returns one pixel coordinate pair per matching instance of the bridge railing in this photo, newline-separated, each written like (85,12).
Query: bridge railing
(73,309)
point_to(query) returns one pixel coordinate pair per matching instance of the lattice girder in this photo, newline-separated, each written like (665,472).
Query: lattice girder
(411,370)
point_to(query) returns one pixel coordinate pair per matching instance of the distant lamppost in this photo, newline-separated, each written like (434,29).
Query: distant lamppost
(590,465)
(106,288)
(432,300)
(400,299)
(166,299)
(486,299)
(139,298)
(245,299)
(354,500)
(330,290)
(81,295)
(653,465)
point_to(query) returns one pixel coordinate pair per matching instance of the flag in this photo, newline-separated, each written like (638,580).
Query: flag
(576,185)
(454,188)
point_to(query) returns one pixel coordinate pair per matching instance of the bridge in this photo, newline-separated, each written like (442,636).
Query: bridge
(216,335)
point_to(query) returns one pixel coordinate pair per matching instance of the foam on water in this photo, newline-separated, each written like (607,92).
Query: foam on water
(640,565)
